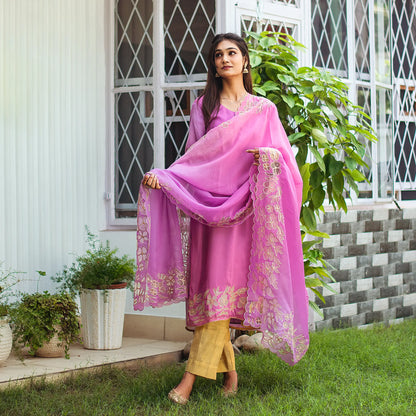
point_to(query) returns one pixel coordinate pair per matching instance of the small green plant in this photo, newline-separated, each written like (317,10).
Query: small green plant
(8,279)
(322,124)
(37,317)
(98,268)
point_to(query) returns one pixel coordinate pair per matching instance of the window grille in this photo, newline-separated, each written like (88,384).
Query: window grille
(152,111)
(252,24)
(362,59)
(329,36)
(404,98)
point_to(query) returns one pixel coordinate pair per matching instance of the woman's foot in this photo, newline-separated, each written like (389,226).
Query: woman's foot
(230,383)
(180,394)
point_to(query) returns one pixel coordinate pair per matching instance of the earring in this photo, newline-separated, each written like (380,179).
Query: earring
(245,70)
(216,75)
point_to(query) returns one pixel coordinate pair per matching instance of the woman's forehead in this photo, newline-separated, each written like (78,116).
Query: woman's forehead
(226,44)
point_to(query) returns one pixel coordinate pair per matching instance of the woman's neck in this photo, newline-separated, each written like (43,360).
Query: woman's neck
(232,89)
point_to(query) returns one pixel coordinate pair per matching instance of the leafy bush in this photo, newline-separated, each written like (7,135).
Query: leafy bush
(98,268)
(328,131)
(39,316)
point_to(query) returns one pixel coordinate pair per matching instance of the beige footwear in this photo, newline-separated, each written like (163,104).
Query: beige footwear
(175,397)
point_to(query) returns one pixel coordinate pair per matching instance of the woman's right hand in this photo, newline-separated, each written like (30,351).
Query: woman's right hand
(151,181)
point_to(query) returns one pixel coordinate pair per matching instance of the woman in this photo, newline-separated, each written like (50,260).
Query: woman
(238,260)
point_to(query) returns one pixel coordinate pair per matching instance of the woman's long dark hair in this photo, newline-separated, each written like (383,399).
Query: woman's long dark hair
(211,101)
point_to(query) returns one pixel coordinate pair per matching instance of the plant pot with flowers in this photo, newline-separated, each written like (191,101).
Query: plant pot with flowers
(100,277)
(47,324)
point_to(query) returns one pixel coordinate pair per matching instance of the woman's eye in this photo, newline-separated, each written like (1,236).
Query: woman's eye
(217,55)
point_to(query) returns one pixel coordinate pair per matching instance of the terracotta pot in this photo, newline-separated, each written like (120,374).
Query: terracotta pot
(6,339)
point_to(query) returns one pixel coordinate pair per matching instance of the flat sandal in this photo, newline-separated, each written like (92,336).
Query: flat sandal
(175,397)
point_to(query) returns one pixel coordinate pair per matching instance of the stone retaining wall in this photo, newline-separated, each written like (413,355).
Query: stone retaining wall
(374,256)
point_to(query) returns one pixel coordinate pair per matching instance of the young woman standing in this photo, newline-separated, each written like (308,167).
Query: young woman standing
(221,230)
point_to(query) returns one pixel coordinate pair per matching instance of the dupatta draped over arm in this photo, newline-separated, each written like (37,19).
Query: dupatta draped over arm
(217,184)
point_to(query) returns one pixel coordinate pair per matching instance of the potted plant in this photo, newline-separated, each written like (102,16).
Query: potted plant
(47,324)
(7,280)
(100,277)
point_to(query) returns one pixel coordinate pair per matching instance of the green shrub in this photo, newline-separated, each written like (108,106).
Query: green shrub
(37,317)
(98,268)
(328,131)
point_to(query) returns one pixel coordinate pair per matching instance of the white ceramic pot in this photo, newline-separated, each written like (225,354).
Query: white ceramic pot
(102,317)
(6,339)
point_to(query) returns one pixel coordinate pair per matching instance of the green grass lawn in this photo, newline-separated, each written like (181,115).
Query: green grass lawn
(345,372)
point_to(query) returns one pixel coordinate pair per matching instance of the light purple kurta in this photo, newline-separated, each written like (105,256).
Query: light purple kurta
(245,257)
(219,256)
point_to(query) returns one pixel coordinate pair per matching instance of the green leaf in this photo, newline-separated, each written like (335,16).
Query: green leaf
(305,173)
(357,175)
(255,60)
(335,166)
(306,245)
(289,100)
(318,158)
(350,163)
(259,91)
(293,137)
(312,282)
(338,182)
(317,176)
(319,136)
(309,218)
(318,196)
(315,307)
(267,42)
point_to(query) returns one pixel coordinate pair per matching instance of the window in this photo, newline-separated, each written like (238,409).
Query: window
(158,72)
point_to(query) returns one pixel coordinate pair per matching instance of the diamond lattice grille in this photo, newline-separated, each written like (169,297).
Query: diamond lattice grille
(177,110)
(289,2)
(133,42)
(329,35)
(189,28)
(362,39)
(134,145)
(251,24)
(404,104)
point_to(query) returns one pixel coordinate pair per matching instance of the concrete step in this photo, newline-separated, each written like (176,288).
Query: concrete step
(135,352)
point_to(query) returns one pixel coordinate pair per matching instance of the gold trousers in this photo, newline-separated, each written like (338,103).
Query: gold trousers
(211,350)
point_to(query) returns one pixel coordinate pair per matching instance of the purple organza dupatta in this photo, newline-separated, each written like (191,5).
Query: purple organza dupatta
(216,183)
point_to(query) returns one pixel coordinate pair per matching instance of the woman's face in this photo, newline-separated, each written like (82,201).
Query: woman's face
(229,61)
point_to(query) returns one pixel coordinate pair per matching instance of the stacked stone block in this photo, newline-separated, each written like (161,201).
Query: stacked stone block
(373,253)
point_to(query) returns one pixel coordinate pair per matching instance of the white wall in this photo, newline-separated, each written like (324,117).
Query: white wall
(52,131)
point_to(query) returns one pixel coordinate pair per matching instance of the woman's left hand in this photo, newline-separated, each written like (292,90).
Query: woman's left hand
(256,155)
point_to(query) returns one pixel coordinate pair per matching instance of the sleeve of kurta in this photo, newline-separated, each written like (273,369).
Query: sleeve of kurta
(196,124)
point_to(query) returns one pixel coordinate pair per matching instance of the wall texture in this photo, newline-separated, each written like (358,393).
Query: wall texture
(374,256)
(52,131)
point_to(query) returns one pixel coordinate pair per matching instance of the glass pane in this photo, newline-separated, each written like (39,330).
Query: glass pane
(385,143)
(134,147)
(177,110)
(329,35)
(133,37)
(362,40)
(189,27)
(382,40)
